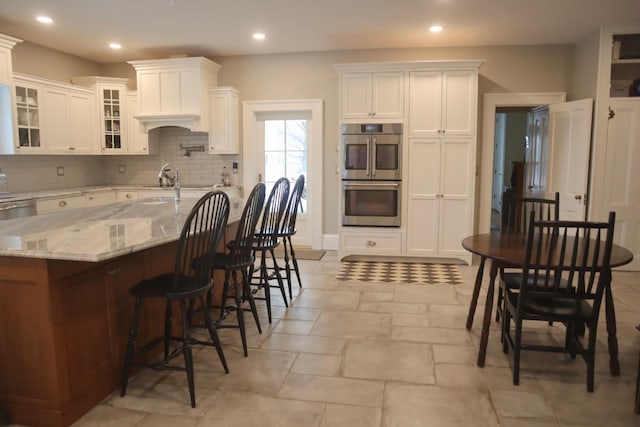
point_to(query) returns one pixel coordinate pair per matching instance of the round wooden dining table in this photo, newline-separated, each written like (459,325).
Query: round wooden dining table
(508,250)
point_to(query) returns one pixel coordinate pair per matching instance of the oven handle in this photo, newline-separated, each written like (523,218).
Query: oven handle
(368,156)
(372,184)
(372,155)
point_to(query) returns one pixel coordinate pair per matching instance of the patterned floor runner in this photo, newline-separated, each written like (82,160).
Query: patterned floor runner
(397,272)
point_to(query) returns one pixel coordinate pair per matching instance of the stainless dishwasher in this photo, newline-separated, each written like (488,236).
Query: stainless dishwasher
(17,209)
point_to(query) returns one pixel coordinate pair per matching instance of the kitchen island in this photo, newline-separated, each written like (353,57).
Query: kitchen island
(65,307)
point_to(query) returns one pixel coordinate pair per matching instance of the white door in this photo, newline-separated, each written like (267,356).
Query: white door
(622,175)
(570,141)
(282,151)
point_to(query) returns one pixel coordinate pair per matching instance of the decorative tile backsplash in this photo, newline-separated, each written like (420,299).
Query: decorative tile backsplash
(31,173)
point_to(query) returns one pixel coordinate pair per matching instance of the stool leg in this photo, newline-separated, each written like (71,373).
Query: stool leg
(131,348)
(249,297)
(187,353)
(287,267)
(637,408)
(295,260)
(276,269)
(264,275)
(213,333)
(237,295)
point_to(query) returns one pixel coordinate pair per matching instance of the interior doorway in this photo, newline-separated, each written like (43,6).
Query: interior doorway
(493,102)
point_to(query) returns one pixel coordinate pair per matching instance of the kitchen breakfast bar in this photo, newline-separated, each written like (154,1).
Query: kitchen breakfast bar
(65,309)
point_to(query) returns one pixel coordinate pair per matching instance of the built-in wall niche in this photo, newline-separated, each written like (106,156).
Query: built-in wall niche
(625,65)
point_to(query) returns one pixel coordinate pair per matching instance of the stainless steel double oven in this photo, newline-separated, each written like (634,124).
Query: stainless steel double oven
(371,174)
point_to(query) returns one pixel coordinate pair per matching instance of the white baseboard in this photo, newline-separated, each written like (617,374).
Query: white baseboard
(330,242)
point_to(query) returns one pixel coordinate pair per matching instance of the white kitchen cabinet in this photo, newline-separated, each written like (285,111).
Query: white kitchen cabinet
(125,195)
(174,92)
(442,103)
(137,139)
(441,175)
(6,64)
(27,119)
(224,108)
(370,241)
(367,96)
(99,198)
(57,204)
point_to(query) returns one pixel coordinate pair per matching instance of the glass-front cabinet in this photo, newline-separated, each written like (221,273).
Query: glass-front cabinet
(112,101)
(28,116)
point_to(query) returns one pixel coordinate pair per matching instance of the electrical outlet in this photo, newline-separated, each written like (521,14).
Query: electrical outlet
(60,170)
(122,168)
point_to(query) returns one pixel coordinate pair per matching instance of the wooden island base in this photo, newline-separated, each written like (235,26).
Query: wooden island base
(63,331)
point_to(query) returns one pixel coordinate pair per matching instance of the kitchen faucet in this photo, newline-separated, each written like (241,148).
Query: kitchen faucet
(170,181)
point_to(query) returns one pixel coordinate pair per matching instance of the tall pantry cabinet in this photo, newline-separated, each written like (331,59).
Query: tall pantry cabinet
(441,166)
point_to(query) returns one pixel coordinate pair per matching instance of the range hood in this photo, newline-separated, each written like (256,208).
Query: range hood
(173,92)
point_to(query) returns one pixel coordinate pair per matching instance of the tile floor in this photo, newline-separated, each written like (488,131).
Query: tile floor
(373,354)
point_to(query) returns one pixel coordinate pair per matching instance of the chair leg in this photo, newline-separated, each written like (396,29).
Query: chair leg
(294,260)
(637,406)
(287,267)
(215,339)
(516,351)
(237,295)
(276,269)
(249,296)
(131,348)
(187,353)
(264,275)
(168,320)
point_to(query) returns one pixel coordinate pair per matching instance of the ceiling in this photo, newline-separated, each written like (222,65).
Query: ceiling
(150,29)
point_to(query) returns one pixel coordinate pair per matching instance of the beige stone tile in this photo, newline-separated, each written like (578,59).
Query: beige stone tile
(328,299)
(455,354)
(357,286)
(448,316)
(487,377)
(390,361)
(415,320)
(305,344)
(299,327)
(333,390)
(294,313)
(428,405)
(521,404)
(346,324)
(108,416)
(393,307)
(156,420)
(431,335)
(317,281)
(251,409)
(352,416)
(426,294)
(317,364)
(377,296)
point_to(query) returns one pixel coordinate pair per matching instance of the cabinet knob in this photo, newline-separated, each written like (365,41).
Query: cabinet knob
(578,197)
(128,196)
(370,243)
(62,203)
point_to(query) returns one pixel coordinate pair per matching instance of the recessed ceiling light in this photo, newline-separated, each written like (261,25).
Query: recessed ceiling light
(44,20)
(115,45)
(259,36)
(435,28)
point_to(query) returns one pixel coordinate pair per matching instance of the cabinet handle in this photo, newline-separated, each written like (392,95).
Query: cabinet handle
(578,197)
(72,148)
(62,203)
(113,270)
(370,243)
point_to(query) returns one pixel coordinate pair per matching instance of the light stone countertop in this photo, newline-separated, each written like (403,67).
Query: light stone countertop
(101,232)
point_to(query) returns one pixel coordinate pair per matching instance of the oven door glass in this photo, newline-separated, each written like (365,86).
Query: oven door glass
(371,204)
(356,157)
(386,161)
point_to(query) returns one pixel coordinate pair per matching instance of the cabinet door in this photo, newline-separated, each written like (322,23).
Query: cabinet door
(224,109)
(459,90)
(356,95)
(388,95)
(28,128)
(83,126)
(137,140)
(456,188)
(112,111)
(423,191)
(425,103)
(54,120)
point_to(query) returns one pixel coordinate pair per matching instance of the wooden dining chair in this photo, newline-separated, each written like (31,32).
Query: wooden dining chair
(516,216)
(578,254)
(288,229)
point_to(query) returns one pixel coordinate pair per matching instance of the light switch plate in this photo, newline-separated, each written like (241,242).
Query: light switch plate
(122,168)
(60,170)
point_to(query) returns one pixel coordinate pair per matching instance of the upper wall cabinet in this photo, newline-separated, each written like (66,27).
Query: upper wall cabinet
(372,96)
(6,67)
(224,107)
(112,111)
(52,118)
(442,103)
(137,138)
(174,92)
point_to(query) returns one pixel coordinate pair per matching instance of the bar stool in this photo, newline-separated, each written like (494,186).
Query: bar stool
(288,229)
(238,259)
(188,283)
(266,240)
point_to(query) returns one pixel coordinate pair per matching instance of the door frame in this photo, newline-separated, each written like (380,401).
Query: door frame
(491,102)
(250,112)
